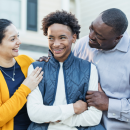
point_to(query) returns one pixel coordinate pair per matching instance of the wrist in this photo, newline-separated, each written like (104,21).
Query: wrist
(75,108)
(107,104)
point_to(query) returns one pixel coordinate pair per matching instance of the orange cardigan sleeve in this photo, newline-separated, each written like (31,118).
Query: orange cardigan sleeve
(9,107)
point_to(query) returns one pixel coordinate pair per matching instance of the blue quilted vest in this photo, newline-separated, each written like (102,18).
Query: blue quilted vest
(76,77)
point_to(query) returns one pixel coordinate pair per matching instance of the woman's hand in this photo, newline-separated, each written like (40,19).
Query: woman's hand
(34,78)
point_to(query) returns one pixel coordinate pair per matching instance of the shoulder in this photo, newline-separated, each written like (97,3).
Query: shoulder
(24,62)
(82,64)
(39,64)
(81,61)
(82,41)
(81,45)
(24,58)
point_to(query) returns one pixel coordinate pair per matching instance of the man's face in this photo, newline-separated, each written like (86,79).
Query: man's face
(60,40)
(102,36)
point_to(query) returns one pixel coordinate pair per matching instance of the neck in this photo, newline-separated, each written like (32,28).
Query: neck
(7,62)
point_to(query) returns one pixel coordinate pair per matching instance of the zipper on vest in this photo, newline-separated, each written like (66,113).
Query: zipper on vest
(66,92)
(56,84)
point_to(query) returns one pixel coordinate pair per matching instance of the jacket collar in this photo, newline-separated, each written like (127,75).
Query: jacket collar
(66,63)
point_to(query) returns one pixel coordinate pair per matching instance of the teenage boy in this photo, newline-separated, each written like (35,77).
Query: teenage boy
(58,103)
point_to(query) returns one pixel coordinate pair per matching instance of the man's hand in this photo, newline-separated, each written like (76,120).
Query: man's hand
(43,58)
(98,99)
(80,106)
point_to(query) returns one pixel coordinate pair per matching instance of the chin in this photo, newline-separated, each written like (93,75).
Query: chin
(58,55)
(16,55)
(94,46)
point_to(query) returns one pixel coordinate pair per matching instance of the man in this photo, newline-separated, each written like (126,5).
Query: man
(108,47)
(58,103)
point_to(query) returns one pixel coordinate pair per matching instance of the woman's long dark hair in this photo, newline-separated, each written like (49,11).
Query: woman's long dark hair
(4,23)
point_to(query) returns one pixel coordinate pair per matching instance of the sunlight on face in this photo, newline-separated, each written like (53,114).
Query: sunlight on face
(60,39)
(10,43)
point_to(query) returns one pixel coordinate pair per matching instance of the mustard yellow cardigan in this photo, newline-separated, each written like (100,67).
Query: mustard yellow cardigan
(9,107)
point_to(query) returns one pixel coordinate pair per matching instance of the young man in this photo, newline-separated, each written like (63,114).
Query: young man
(108,47)
(58,103)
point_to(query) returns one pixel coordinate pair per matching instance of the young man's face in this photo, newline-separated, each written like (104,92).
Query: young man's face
(60,38)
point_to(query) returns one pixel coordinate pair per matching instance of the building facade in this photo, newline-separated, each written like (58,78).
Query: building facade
(27,16)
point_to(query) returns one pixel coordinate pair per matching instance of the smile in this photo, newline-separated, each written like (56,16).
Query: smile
(91,41)
(58,50)
(16,49)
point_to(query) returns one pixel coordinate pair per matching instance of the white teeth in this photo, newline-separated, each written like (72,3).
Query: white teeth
(16,49)
(58,50)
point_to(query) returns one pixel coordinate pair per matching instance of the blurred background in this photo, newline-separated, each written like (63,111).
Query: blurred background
(27,15)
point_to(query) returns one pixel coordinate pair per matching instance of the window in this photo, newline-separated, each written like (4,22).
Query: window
(32,15)
(11,10)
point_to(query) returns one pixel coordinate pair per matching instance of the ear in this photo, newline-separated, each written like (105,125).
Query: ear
(74,38)
(118,38)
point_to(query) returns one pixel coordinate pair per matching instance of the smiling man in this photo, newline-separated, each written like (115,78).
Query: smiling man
(108,47)
(58,103)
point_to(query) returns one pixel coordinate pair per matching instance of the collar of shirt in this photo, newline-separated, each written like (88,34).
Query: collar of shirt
(66,63)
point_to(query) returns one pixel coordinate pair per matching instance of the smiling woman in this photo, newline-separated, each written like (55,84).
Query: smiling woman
(10,43)
(14,86)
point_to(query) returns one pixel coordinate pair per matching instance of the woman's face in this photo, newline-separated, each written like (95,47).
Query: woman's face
(9,46)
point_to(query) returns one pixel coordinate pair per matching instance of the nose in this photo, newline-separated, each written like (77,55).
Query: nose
(18,41)
(56,43)
(92,35)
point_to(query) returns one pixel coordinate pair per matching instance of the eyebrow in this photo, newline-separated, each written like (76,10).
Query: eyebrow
(96,32)
(62,35)
(59,36)
(13,35)
(51,36)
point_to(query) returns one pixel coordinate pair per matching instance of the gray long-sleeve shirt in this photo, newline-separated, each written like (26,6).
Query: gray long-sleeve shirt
(114,76)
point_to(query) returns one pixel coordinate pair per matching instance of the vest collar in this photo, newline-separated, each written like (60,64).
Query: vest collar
(66,63)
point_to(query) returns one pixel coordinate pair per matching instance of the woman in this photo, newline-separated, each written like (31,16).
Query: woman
(14,88)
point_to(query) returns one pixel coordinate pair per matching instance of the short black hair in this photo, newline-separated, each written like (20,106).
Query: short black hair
(115,18)
(3,24)
(61,17)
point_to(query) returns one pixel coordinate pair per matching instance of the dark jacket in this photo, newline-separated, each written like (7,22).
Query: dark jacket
(76,76)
